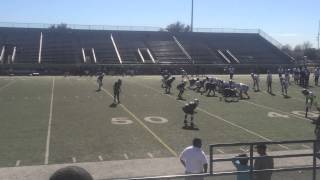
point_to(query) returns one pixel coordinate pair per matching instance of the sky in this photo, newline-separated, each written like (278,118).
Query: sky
(288,21)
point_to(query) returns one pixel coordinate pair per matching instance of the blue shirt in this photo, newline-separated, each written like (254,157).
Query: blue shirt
(241,167)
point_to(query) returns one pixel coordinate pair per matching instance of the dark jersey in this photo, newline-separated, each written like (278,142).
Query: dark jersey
(181,86)
(189,108)
(100,77)
(116,87)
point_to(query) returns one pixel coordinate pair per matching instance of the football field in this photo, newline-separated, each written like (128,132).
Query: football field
(56,120)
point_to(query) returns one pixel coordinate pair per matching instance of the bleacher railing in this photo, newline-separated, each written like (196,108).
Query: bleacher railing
(215,175)
(251,157)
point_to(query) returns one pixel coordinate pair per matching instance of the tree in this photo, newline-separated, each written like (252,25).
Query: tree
(306,45)
(178,27)
(61,26)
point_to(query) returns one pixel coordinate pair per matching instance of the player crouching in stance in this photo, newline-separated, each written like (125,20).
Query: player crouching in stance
(188,109)
(99,81)
(181,88)
(310,97)
(168,85)
(116,91)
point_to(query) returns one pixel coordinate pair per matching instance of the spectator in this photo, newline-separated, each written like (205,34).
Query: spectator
(242,165)
(263,162)
(71,173)
(316,76)
(269,82)
(193,159)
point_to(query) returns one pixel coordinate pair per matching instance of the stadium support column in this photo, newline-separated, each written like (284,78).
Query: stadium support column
(83,56)
(152,58)
(183,50)
(13,54)
(2,54)
(116,49)
(94,55)
(140,54)
(40,48)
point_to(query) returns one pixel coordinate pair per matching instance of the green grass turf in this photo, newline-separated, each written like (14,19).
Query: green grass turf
(82,128)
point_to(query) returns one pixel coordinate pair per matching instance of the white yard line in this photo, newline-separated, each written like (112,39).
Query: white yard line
(273,109)
(7,85)
(279,93)
(46,159)
(220,118)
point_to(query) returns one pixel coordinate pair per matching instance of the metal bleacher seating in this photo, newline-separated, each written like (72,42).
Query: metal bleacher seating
(26,42)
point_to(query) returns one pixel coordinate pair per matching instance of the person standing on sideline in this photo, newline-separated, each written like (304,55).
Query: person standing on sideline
(262,162)
(269,82)
(116,91)
(316,76)
(194,159)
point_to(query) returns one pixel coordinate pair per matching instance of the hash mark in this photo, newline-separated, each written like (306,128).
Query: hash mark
(150,155)
(100,158)
(18,163)
(220,151)
(125,156)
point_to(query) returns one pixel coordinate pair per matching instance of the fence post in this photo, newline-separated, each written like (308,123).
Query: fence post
(314,166)
(251,161)
(211,160)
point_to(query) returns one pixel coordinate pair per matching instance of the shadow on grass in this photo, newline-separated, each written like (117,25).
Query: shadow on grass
(113,105)
(190,128)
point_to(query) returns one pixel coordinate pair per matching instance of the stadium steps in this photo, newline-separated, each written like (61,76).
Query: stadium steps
(26,42)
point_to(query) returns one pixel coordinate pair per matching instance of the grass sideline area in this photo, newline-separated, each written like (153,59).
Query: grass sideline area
(58,120)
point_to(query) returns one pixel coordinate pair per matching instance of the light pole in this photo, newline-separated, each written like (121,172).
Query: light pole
(191,26)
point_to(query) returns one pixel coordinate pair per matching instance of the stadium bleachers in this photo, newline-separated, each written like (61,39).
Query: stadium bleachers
(102,44)
(26,41)
(68,46)
(60,47)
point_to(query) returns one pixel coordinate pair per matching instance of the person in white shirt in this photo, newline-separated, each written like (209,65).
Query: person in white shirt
(194,159)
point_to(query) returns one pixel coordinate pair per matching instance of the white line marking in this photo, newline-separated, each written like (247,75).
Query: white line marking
(279,93)
(74,160)
(18,163)
(145,126)
(306,146)
(100,158)
(221,119)
(150,155)
(273,109)
(7,85)
(243,150)
(220,151)
(46,159)
(125,156)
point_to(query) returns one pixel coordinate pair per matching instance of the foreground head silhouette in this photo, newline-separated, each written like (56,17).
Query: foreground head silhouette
(71,173)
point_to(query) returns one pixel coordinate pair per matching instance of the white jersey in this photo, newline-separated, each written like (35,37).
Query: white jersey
(194,159)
